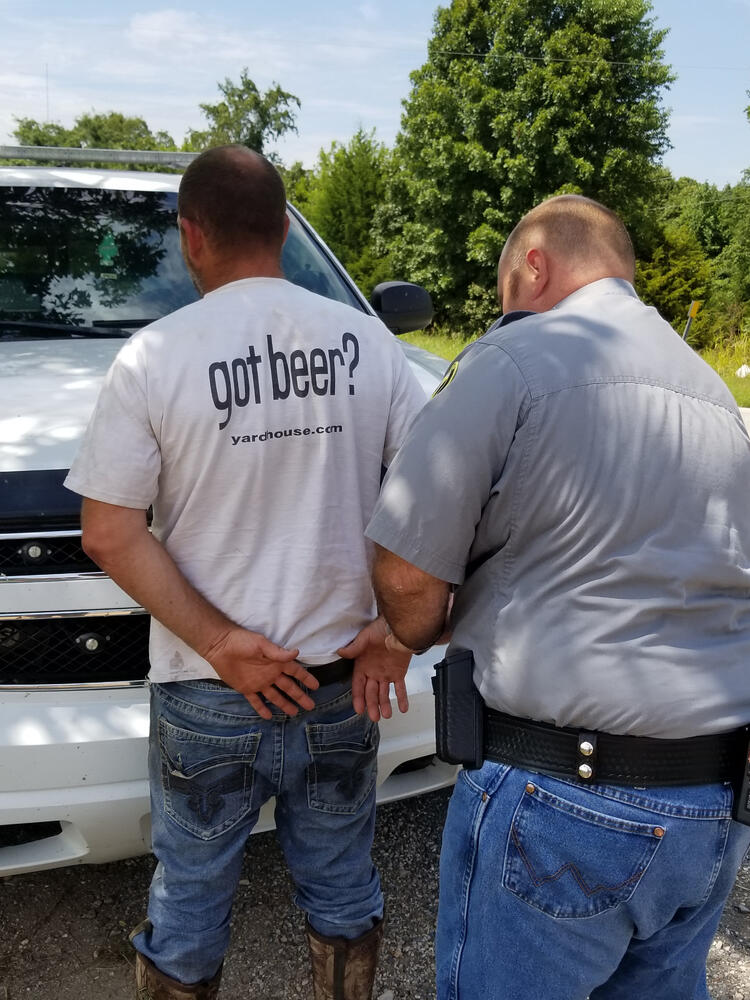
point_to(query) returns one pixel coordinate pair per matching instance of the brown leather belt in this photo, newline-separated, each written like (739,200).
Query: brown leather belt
(621,760)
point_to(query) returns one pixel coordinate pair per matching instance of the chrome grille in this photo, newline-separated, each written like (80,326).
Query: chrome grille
(90,650)
(49,553)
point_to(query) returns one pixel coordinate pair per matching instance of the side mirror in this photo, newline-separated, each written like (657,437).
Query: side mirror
(402,306)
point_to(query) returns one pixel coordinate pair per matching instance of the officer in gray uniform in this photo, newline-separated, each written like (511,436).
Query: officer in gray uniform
(580,483)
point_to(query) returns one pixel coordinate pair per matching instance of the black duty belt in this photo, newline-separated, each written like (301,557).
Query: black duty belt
(621,760)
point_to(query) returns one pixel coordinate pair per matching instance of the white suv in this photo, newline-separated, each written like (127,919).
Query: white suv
(86,258)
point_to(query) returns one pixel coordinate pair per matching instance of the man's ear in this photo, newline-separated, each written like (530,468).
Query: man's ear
(286,229)
(537,272)
(193,236)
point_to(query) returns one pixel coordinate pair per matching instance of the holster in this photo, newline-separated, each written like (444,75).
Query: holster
(741,807)
(459,711)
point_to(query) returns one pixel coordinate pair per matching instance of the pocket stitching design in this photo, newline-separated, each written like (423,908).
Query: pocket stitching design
(562,908)
(319,748)
(573,869)
(249,744)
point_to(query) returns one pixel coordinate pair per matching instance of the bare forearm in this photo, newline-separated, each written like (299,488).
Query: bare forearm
(414,604)
(118,539)
(139,564)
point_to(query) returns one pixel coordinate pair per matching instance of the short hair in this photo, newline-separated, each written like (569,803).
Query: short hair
(236,196)
(579,229)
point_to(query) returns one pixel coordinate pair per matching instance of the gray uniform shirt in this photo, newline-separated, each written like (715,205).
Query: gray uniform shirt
(584,478)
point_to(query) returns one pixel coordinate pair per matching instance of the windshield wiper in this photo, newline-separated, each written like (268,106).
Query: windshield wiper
(43,327)
(123,324)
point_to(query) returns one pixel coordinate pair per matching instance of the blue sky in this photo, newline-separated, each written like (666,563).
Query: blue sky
(348,62)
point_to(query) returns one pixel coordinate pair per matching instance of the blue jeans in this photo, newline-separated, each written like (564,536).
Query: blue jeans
(552,889)
(213,762)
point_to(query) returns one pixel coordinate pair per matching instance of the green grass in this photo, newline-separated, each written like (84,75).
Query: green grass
(440,342)
(725,359)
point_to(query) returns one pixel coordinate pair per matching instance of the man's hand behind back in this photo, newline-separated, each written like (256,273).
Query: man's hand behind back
(379,661)
(255,666)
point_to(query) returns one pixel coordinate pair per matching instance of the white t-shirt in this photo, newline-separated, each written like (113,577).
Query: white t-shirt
(256,422)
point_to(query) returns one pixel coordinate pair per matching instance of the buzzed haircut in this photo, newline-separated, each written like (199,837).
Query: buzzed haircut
(237,198)
(581,230)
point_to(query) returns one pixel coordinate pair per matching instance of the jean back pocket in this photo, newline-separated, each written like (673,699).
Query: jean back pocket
(207,780)
(570,861)
(344,764)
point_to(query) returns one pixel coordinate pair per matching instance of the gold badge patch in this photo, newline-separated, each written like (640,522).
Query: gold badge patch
(447,378)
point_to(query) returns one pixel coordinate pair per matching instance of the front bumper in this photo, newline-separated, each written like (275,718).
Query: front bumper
(73,785)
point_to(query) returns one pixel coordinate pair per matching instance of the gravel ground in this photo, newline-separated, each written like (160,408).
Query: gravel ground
(63,933)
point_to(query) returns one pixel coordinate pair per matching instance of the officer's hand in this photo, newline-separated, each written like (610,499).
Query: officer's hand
(374,696)
(255,666)
(379,661)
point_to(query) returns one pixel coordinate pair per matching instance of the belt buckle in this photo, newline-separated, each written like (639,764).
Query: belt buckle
(586,756)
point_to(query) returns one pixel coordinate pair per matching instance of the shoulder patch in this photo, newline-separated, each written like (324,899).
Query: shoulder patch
(447,378)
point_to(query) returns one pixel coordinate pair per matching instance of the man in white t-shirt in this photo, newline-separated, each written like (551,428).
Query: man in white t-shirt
(241,422)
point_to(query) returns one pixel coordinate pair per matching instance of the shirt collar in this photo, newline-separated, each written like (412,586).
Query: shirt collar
(510,317)
(596,289)
(238,282)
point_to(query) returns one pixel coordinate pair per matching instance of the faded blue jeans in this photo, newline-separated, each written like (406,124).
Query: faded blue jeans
(552,889)
(213,762)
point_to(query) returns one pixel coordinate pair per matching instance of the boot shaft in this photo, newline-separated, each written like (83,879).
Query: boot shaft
(344,969)
(151,984)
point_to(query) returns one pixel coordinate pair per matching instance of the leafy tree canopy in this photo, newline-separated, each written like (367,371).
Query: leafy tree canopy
(297,179)
(700,250)
(699,208)
(733,263)
(346,187)
(520,100)
(93,130)
(246,116)
(678,273)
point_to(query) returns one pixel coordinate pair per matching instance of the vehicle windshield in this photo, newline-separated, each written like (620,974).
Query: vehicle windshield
(91,262)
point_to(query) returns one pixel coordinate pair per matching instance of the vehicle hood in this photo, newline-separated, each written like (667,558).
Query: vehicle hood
(429,368)
(48,389)
(47,392)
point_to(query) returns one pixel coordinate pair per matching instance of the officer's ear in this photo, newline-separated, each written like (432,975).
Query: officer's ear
(536,265)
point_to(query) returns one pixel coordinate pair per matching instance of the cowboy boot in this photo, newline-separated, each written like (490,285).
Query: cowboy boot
(344,969)
(151,984)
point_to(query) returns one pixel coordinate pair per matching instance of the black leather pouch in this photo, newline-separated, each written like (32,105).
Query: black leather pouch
(741,809)
(459,711)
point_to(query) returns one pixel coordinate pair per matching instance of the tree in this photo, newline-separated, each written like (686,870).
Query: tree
(678,272)
(698,207)
(520,100)
(297,180)
(731,286)
(700,250)
(92,130)
(346,188)
(246,116)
